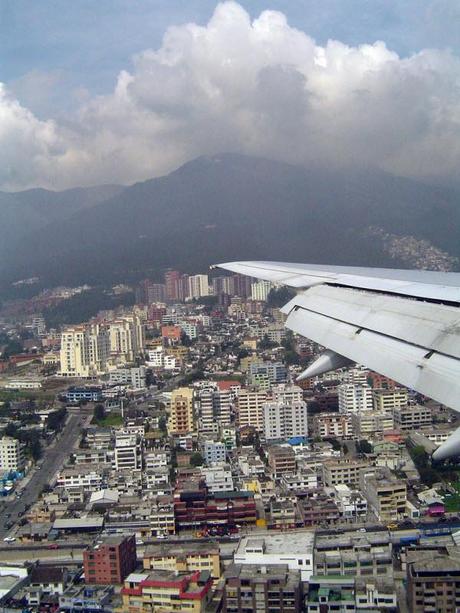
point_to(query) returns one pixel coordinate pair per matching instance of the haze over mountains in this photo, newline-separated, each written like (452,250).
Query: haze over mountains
(215,209)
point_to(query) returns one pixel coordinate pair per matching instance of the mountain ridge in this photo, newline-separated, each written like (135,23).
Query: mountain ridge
(231,206)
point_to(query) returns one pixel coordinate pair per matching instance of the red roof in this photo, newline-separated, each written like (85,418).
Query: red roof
(228,384)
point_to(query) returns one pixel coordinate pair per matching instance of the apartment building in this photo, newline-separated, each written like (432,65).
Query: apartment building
(85,350)
(412,417)
(389,399)
(433,581)
(184,558)
(361,554)
(181,417)
(281,460)
(386,495)
(333,425)
(11,454)
(344,471)
(284,420)
(261,588)
(128,452)
(249,407)
(163,590)
(292,549)
(214,452)
(354,398)
(372,423)
(111,561)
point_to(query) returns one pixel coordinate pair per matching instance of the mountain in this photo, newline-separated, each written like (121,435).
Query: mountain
(23,213)
(238,207)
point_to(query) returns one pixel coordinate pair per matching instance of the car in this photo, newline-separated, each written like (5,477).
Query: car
(159,536)
(9,539)
(362,530)
(52,546)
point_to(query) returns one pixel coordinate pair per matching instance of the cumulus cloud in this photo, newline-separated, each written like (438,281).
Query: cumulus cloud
(260,87)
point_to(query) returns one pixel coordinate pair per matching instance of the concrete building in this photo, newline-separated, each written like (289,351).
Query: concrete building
(355,398)
(265,588)
(198,286)
(163,590)
(85,350)
(134,377)
(218,478)
(412,417)
(260,290)
(273,372)
(128,452)
(281,460)
(355,553)
(183,558)
(127,338)
(249,408)
(11,454)
(372,423)
(181,417)
(214,452)
(283,421)
(292,549)
(340,471)
(111,561)
(389,399)
(386,495)
(333,425)
(433,581)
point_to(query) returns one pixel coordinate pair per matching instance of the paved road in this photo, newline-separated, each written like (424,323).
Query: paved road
(54,458)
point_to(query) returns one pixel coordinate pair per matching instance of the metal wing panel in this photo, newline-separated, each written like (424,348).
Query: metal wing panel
(437,376)
(442,286)
(432,326)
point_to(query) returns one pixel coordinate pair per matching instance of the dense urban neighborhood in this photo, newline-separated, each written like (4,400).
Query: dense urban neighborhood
(161,456)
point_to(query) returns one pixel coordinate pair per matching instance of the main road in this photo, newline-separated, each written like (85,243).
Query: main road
(54,458)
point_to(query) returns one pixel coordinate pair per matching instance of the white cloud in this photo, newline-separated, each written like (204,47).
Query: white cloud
(259,87)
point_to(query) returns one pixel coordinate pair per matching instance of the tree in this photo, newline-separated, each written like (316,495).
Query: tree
(363,446)
(99,412)
(278,297)
(196,459)
(266,343)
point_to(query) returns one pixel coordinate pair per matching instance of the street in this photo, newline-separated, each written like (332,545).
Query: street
(54,457)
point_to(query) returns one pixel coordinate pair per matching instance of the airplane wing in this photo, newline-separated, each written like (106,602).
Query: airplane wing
(404,324)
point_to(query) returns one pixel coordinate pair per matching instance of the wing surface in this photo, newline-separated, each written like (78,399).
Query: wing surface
(404,324)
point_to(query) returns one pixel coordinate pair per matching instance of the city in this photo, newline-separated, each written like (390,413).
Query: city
(162,455)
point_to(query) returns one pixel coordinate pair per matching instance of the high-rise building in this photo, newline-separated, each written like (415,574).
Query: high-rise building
(354,398)
(128,452)
(260,290)
(11,456)
(249,407)
(84,350)
(111,561)
(198,286)
(242,285)
(127,338)
(181,417)
(172,279)
(285,420)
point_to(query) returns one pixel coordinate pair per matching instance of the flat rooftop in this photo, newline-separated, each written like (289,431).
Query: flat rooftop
(287,542)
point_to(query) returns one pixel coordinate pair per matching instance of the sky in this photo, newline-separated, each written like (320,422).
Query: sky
(117,91)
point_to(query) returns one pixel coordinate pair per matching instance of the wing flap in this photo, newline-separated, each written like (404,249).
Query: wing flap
(430,326)
(436,376)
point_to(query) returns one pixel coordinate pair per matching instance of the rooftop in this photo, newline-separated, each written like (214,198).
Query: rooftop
(293,542)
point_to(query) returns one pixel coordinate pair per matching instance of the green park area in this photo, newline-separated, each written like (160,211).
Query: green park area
(452,501)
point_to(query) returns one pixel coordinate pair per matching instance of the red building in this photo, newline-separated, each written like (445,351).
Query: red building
(196,508)
(111,561)
(172,333)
